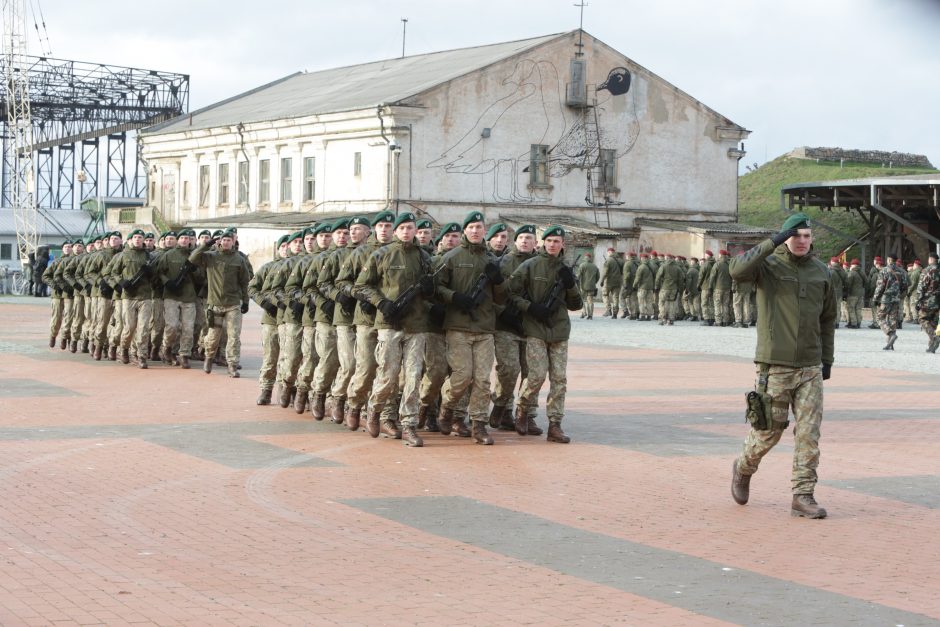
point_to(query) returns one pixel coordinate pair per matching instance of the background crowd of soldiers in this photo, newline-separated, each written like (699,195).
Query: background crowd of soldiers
(378,317)
(151,298)
(665,287)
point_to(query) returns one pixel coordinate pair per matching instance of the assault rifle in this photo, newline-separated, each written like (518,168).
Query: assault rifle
(177,282)
(477,294)
(553,300)
(144,270)
(404,300)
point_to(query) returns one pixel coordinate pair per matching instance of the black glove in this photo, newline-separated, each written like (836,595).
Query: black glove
(827,371)
(783,236)
(348,303)
(147,270)
(297,308)
(566,276)
(125,285)
(367,307)
(245,307)
(281,305)
(117,288)
(388,309)
(436,314)
(269,308)
(68,290)
(328,307)
(427,285)
(463,302)
(493,274)
(311,306)
(173,285)
(540,312)
(510,317)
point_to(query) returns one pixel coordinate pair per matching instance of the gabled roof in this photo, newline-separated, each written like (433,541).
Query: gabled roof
(702,227)
(347,88)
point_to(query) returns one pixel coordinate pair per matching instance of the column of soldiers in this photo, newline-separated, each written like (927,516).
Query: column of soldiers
(149,298)
(372,321)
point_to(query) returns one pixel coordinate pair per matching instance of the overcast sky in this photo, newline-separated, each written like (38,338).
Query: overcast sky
(849,73)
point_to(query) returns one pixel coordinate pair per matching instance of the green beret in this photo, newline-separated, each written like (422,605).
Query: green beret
(282,239)
(384,216)
(323,227)
(217,233)
(309,230)
(136,232)
(233,229)
(473,216)
(295,235)
(424,223)
(553,230)
(342,223)
(97,238)
(229,233)
(149,235)
(404,217)
(364,221)
(796,221)
(450,227)
(170,234)
(205,232)
(187,233)
(525,228)
(497,228)
(67,242)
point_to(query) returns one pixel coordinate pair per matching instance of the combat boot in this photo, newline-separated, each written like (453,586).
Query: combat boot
(521,422)
(873,326)
(445,421)
(337,410)
(607,313)
(52,342)
(495,415)
(84,346)
(505,421)
(63,343)
(410,437)
(479,433)
(233,371)
(184,362)
(73,346)
(300,401)
(432,426)
(142,363)
(460,429)
(555,434)
(352,418)
(934,344)
(207,365)
(389,429)
(283,397)
(740,485)
(532,427)
(423,411)
(372,421)
(125,357)
(318,406)
(891,340)
(624,314)
(97,354)
(112,353)
(806,506)
(155,353)
(265,397)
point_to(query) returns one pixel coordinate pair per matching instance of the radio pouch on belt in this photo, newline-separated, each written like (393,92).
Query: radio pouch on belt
(210,318)
(759,411)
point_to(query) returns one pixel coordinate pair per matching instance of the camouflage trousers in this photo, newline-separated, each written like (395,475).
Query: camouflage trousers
(396,353)
(470,357)
(329,361)
(78,317)
(628,300)
(157,324)
(928,321)
(358,391)
(270,351)
(116,329)
(545,359)
(722,305)
(137,314)
(308,357)
(289,337)
(802,390)
(226,319)
(104,310)
(55,317)
(510,363)
(908,302)
(708,305)
(178,321)
(612,299)
(68,312)
(346,353)
(888,317)
(645,298)
(692,304)
(742,307)
(199,328)
(838,295)
(435,368)
(853,310)
(668,301)
(588,310)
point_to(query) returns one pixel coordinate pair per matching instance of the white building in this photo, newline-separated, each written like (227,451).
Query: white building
(523,130)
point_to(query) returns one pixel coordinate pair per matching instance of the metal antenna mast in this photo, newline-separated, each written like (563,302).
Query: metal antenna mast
(18,141)
(404,25)
(579,45)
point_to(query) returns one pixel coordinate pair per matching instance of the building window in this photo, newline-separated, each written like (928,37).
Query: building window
(608,169)
(264,180)
(153,191)
(286,180)
(357,164)
(538,165)
(6,251)
(310,178)
(185,192)
(223,183)
(203,186)
(243,183)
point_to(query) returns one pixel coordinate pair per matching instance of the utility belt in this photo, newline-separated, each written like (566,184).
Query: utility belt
(759,411)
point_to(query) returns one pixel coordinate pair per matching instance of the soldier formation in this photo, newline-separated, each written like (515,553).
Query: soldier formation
(151,298)
(375,317)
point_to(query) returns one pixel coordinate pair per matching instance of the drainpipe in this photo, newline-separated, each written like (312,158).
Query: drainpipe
(388,163)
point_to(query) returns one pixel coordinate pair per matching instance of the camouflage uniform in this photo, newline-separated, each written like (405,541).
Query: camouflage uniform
(910,299)
(888,296)
(692,296)
(509,343)
(325,334)
(705,289)
(588,275)
(227,274)
(270,342)
(58,297)
(742,302)
(670,281)
(854,297)
(927,304)
(644,284)
(138,304)
(628,298)
(721,286)
(611,282)
(308,333)
(872,282)
(179,303)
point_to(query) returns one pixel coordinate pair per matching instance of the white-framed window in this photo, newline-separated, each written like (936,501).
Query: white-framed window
(286,179)
(204,185)
(357,164)
(264,180)
(538,165)
(185,192)
(310,178)
(608,168)
(223,183)
(242,182)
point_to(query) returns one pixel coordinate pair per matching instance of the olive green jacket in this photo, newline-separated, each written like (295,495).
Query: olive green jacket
(295,285)
(326,283)
(533,282)
(670,278)
(257,294)
(126,265)
(349,273)
(796,306)
(227,274)
(644,279)
(389,271)
(463,267)
(613,273)
(168,267)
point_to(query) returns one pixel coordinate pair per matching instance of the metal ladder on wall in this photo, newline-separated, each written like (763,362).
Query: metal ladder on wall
(592,146)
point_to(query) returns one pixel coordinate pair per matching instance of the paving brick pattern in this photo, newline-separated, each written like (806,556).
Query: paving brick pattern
(167,497)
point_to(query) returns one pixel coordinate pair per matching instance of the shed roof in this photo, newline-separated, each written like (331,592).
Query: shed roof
(574,226)
(72,222)
(695,226)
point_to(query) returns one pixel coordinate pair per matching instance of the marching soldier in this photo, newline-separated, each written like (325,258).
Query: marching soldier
(71,273)
(644,284)
(872,283)
(888,296)
(692,296)
(670,281)
(720,278)
(58,293)
(130,275)
(910,299)
(628,296)
(270,341)
(322,234)
(854,296)
(611,282)
(706,290)
(588,276)
(288,317)
(99,268)
(179,299)
(927,302)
